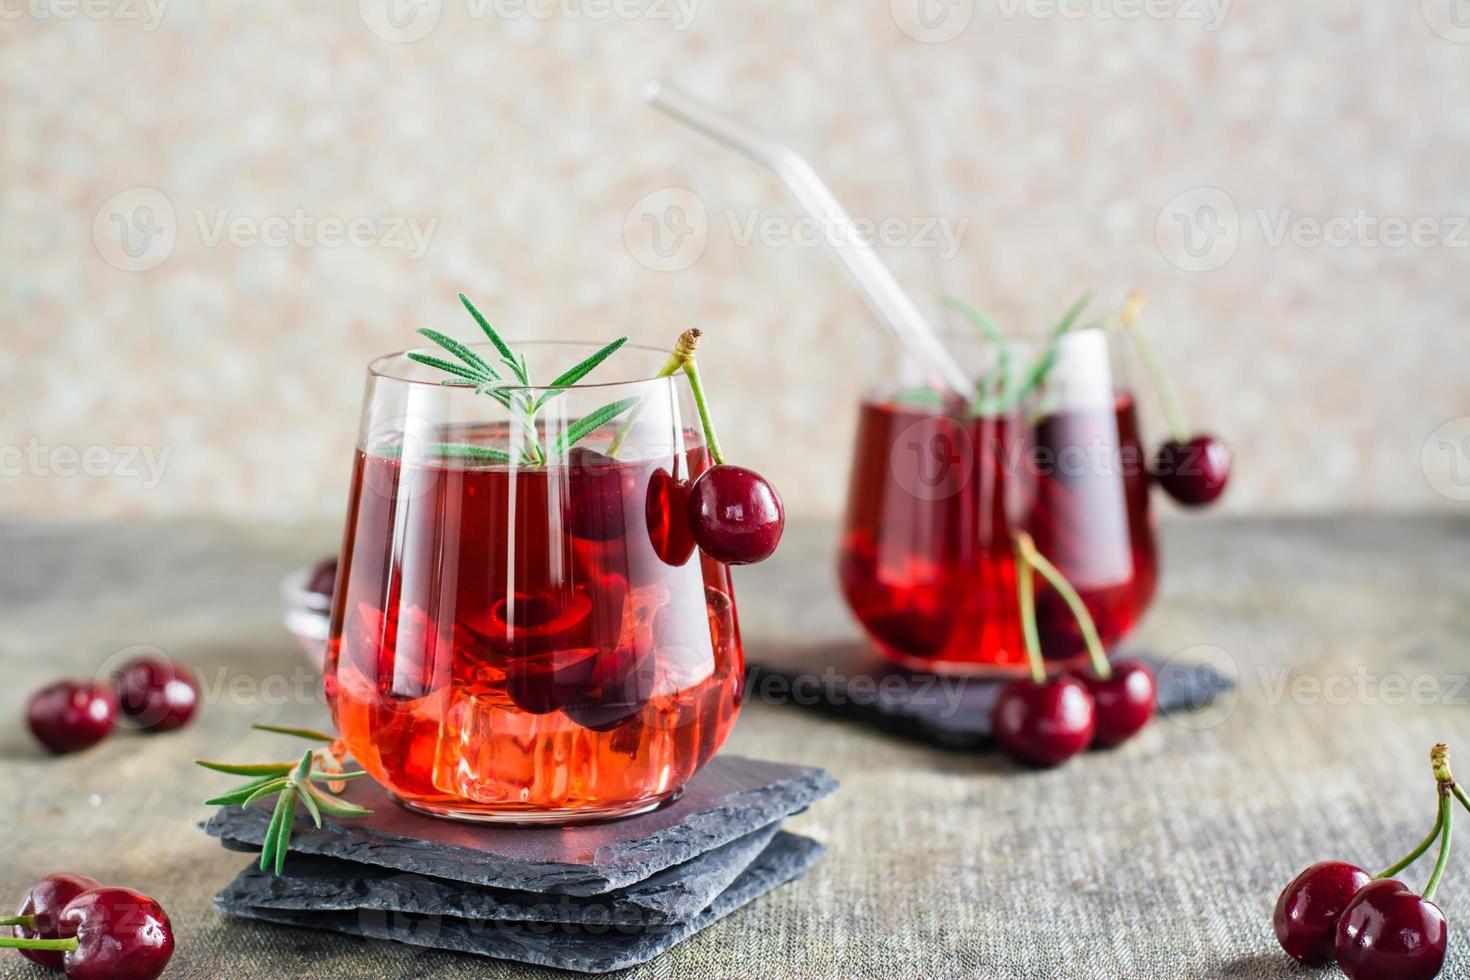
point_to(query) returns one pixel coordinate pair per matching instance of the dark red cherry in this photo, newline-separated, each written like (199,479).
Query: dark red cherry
(1388,932)
(736,515)
(1123,703)
(121,935)
(1043,724)
(323,579)
(1308,909)
(69,716)
(45,900)
(156,695)
(667,510)
(621,684)
(596,488)
(1194,472)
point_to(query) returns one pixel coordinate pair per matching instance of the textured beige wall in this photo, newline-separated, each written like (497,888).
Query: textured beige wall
(213,372)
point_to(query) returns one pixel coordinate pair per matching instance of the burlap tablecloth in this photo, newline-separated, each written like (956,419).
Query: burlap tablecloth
(1160,860)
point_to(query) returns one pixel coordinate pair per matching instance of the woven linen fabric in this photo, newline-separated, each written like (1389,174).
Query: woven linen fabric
(1161,860)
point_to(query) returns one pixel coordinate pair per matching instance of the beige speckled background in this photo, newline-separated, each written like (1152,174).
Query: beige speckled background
(1057,133)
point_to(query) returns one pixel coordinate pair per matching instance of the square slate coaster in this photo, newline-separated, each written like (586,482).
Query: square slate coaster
(677,894)
(849,680)
(729,798)
(568,946)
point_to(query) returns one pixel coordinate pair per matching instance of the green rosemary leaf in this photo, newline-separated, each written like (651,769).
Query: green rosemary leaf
(311,808)
(267,847)
(333,805)
(248,769)
(322,776)
(303,767)
(1044,364)
(461,351)
(580,371)
(472,376)
(240,794)
(500,345)
(1000,371)
(311,733)
(445,450)
(588,424)
(283,833)
(273,787)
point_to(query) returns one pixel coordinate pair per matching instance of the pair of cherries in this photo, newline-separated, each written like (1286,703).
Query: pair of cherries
(72,922)
(1373,926)
(151,693)
(1045,723)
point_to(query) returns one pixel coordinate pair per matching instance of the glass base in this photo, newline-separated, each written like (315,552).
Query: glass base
(524,817)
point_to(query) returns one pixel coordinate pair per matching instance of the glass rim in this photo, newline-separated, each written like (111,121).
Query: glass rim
(378,366)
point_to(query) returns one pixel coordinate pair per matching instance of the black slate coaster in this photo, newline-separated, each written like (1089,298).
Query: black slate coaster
(851,681)
(588,949)
(729,798)
(677,894)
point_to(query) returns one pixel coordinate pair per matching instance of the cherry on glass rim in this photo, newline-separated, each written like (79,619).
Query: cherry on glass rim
(1308,908)
(1388,932)
(45,900)
(1043,723)
(1194,472)
(155,694)
(736,515)
(121,935)
(1123,702)
(69,716)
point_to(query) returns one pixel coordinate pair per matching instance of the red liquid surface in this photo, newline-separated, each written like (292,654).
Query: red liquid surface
(531,641)
(927,560)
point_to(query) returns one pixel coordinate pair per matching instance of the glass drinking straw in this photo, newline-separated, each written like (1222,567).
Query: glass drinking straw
(885,297)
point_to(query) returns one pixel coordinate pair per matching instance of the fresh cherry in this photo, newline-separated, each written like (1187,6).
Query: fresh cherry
(1388,932)
(69,716)
(155,694)
(1194,472)
(667,511)
(323,579)
(44,901)
(736,515)
(1308,909)
(121,935)
(1123,702)
(1043,723)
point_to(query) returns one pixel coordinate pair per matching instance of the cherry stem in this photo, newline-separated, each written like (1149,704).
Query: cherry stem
(684,350)
(1417,852)
(1031,557)
(60,945)
(24,921)
(1026,596)
(1446,814)
(1155,367)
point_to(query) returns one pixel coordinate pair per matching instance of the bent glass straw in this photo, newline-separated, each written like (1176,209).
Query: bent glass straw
(885,297)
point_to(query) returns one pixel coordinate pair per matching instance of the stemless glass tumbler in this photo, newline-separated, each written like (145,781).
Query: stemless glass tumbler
(927,555)
(523,630)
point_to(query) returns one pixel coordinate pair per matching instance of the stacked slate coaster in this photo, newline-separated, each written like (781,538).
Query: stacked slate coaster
(591,898)
(849,680)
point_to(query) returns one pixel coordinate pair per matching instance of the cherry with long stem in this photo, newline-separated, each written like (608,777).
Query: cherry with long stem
(1039,721)
(1124,694)
(1193,469)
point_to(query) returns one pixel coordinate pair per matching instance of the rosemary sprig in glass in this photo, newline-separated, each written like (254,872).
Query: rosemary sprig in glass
(507,384)
(311,782)
(1003,387)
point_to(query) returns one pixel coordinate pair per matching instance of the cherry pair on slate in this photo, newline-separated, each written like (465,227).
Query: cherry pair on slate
(1374,926)
(73,923)
(151,693)
(1043,721)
